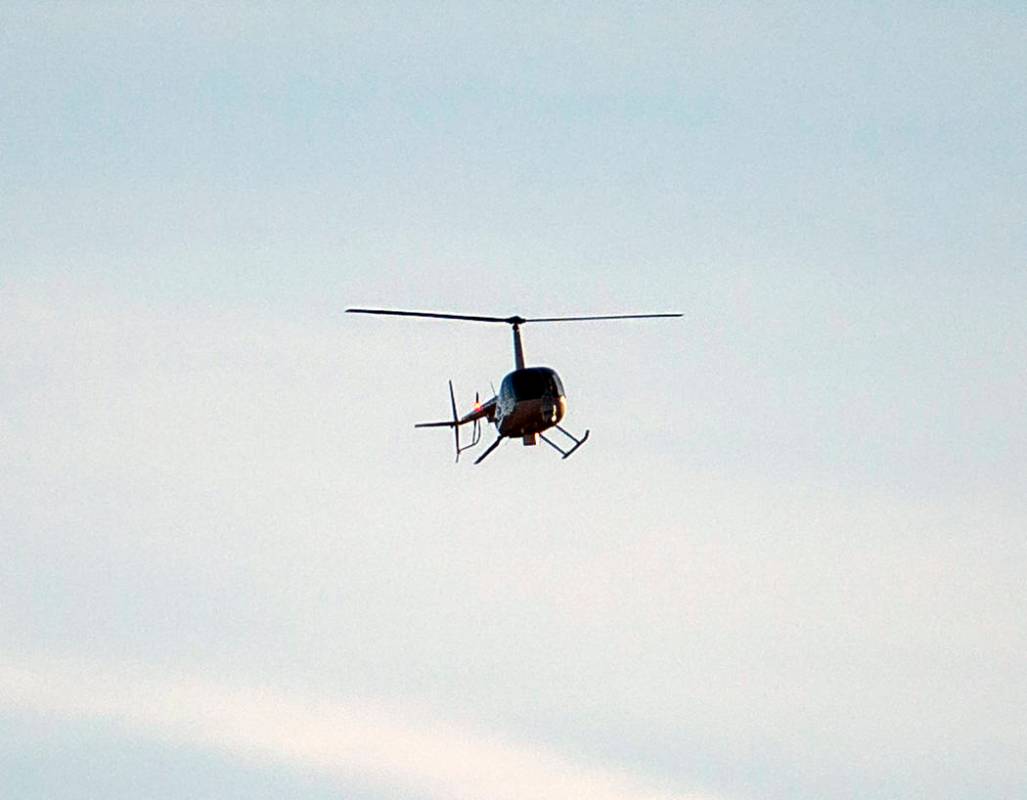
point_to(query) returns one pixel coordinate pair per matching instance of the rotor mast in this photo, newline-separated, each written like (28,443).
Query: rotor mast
(518,347)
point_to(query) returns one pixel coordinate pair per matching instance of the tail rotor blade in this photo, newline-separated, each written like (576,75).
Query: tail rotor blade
(456,420)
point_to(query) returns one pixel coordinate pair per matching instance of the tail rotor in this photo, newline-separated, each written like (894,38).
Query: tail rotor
(456,420)
(473,417)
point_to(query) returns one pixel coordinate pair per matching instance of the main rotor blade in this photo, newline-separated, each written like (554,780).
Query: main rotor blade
(515,320)
(433,314)
(607,316)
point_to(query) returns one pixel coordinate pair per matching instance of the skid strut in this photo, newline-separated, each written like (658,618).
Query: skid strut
(565,453)
(491,447)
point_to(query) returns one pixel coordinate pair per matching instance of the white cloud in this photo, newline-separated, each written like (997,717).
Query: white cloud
(364,743)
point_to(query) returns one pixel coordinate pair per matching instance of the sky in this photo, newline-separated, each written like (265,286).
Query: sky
(789,561)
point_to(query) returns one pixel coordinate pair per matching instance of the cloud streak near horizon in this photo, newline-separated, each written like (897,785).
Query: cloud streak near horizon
(372,746)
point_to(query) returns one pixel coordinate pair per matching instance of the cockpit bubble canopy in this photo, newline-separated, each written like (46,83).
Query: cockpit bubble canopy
(532,383)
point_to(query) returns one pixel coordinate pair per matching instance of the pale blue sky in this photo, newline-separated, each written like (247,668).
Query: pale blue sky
(788,563)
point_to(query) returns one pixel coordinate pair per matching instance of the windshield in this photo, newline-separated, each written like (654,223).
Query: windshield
(533,383)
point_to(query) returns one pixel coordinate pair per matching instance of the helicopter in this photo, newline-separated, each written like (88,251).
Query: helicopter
(530,400)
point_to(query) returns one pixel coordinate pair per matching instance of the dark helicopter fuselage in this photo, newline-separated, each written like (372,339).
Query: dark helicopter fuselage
(530,400)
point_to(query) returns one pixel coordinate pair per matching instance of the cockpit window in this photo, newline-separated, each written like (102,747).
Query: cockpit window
(533,383)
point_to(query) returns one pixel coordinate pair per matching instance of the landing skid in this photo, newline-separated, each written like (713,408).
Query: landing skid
(565,453)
